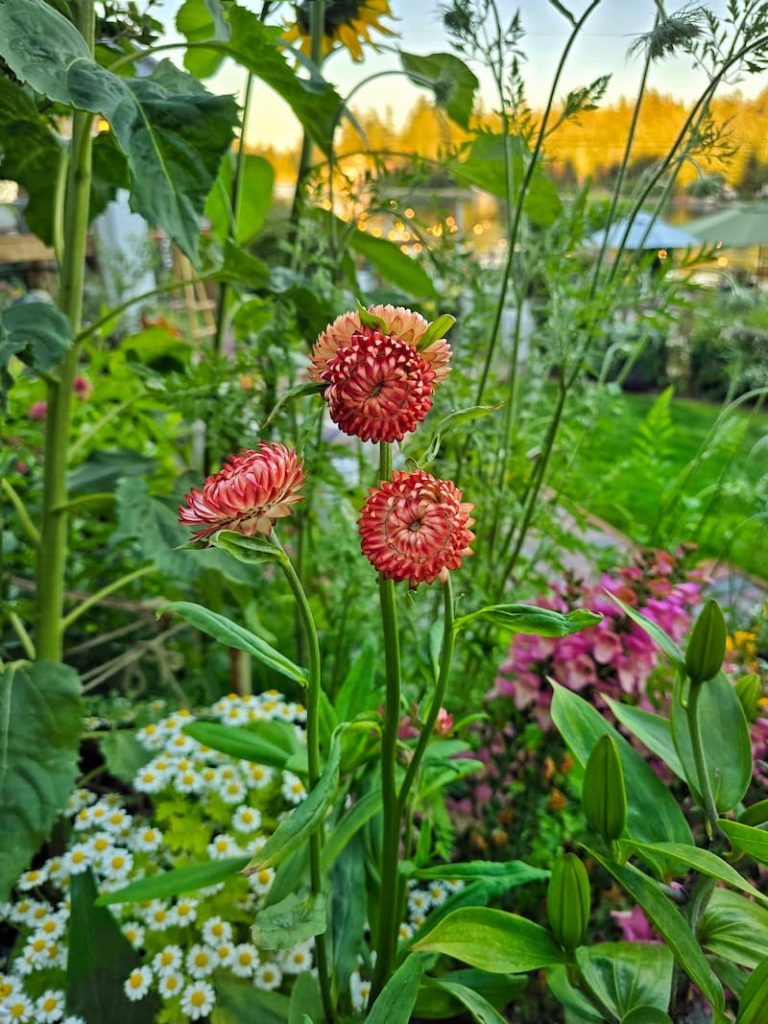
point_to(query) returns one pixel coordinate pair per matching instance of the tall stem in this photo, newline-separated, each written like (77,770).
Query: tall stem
(313,766)
(52,552)
(702,775)
(390,842)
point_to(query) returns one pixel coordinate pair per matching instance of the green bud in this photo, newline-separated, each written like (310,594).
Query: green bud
(568,901)
(706,648)
(603,796)
(749,690)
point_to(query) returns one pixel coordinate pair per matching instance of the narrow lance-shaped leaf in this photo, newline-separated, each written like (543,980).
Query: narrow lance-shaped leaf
(186,879)
(656,633)
(398,997)
(532,620)
(238,742)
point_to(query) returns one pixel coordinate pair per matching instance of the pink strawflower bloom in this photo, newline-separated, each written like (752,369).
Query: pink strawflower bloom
(415,528)
(38,411)
(250,492)
(444,723)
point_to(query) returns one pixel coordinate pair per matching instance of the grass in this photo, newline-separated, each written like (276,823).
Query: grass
(641,468)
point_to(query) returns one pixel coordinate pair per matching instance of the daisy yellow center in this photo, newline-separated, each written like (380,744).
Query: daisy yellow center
(197,998)
(136,980)
(50,1004)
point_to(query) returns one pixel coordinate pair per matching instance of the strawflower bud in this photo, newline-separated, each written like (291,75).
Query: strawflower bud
(568,901)
(706,648)
(603,795)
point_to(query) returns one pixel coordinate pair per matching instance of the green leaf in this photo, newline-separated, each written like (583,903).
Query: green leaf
(41,719)
(35,332)
(305,819)
(358,692)
(393,264)
(746,838)
(646,1015)
(239,741)
(449,423)
(753,1002)
(99,961)
(297,391)
(187,879)
(398,997)
(624,975)
(298,917)
(349,909)
(578,1008)
(531,620)
(480,1008)
(256,198)
(123,753)
(668,920)
(724,737)
(735,928)
(653,731)
(449,78)
(246,1004)
(437,329)
(233,635)
(359,814)
(436,1002)
(656,633)
(251,550)
(240,267)
(653,814)
(696,859)
(306,1005)
(755,814)
(516,872)
(198,21)
(104,468)
(492,940)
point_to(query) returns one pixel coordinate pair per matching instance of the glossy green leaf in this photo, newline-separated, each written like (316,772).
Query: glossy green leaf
(753,1002)
(37,333)
(516,872)
(653,731)
(724,737)
(437,329)
(251,550)
(735,928)
(624,975)
(398,997)
(41,719)
(199,21)
(99,960)
(436,1001)
(349,909)
(241,267)
(247,1004)
(186,879)
(755,814)
(578,1008)
(694,858)
(653,814)
(746,838)
(448,423)
(124,754)
(306,1005)
(449,78)
(350,823)
(256,198)
(358,692)
(532,621)
(492,940)
(674,928)
(239,741)
(305,819)
(231,634)
(646,1015)
(393,264)
(298,917)
(656,633)
(480,1009)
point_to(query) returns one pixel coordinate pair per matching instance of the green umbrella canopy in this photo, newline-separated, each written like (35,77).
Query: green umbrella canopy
(738,226)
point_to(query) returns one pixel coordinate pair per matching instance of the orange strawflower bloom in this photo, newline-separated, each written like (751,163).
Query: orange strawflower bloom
(250,492)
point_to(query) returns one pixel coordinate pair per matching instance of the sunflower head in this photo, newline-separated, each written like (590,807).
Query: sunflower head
(346,23)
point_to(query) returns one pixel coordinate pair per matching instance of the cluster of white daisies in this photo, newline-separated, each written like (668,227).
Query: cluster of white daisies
(185,943)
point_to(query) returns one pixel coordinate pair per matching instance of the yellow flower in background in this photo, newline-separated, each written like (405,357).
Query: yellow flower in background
(347,23)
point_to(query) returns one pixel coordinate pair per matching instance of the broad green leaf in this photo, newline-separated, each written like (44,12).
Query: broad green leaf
(436,1002)
(246,1004)
(239,741)
(480,1009)
(349,909)
(752,841)
(449,78)
(735,928)
(531,620)
(492,940)
(298,917)
(40,46)
(656,633)
(305,819)
(105,467)
(653,731)
(694,858)
(398,997)
(674,928)
(256,198)
(187,879)
(241,267)
(653,814)
(233,635)
(578,1008)
(306,1005)
(99,960)
(725,738)
(123,753)
(36,332)
(624,975)
(199,21)
(516,872)
(393,264)
(646,1015)
(358,691)
(349,825)
(41,719)
(753,1002)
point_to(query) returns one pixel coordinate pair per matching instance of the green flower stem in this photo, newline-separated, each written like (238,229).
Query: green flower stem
(390,843)
(313,764)
(702,775)
(93,599)
(24,637)
(52,552)
(20,508)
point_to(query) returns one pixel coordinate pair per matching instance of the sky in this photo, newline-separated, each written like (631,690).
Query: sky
(602,48)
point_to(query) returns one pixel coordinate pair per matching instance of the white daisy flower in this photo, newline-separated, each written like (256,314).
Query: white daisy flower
(50,1007)
(189,781)
(261,881)
(117,821)
(223,846)
(78,800)
(360,990)
(17,912)
(56,870)
(31,879)
(417,920)
(9,986)
(52,926)
(215,931)
(73,1020)
(259,776)
(268,976)
(438,894)
(245,960)
(19,1009)
(200,961)
(170,984)
(293,789)
(185,912)
(100,844)
(147,840)
(152,737)
(149,780)
(454,884)
(167,961)
(269,708)
(209,776)
(158,916)
(134,932)
(198,1000)
(299,712)
(117,864)
(136,985)
(246,819)
(235,714)
(181,744)
(297,960)
(232,792)
(405,931)
(37,913)
(78,858)
(224,954)
(419,901)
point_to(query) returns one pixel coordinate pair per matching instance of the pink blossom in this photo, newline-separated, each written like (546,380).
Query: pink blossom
(635,926)
(82,387)
(38,411)
(444,723)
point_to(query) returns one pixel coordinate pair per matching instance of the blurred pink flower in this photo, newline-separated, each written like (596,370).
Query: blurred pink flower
(444,723)
(635,926)
(82,387)
(38,411)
